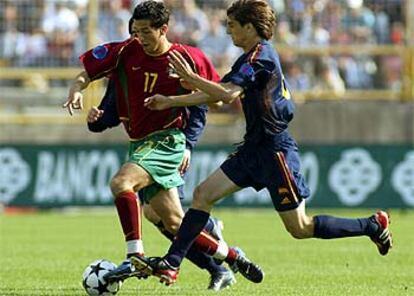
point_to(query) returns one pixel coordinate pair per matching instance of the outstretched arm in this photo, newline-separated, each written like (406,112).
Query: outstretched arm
(226,92)
(75,97)
(161,102)
(209,91)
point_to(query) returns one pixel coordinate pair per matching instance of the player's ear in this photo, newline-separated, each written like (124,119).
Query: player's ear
(164,29)
(250,28)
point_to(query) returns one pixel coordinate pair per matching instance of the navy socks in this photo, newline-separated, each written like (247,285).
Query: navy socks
(328,227)
(197,257)
(191,226)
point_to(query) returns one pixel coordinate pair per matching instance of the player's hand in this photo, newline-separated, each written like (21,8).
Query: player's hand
(74,101)
(158,102)
(94,114)
(185,164)
(180,65)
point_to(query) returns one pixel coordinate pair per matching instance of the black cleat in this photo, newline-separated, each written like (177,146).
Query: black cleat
(221,280)
(248,269)
(383,238)
(122,272)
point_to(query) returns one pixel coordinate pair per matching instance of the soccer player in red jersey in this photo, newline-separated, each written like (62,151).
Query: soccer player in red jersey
(140,68)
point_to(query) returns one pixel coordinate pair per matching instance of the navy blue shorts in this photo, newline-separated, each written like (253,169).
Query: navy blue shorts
(273,165)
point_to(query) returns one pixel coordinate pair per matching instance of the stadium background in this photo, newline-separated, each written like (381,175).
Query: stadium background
(349,64)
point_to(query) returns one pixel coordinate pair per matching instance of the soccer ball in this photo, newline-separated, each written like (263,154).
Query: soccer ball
(93,282)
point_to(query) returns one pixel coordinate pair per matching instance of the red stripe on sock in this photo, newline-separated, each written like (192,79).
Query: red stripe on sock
(206,243)
(129,212)
(231,256)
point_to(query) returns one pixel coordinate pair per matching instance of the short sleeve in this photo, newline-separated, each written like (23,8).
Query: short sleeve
(250,75)
(100,60)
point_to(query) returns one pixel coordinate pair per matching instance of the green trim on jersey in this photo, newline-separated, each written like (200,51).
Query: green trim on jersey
(160,154)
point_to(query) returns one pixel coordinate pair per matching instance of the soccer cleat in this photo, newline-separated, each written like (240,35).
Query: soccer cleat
(221,280)
(383,238)
(123,271)
(156,266)
(248,269)
(217,231)
(234,266)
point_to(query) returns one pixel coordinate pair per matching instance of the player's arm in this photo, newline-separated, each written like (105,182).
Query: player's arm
(210,92)
(97,63)
(161,102)
(106,114)
(192,132)
(195,126)
(75,96)
(225,92)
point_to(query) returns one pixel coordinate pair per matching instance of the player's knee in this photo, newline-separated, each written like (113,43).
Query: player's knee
(172,225)
(172,228)
(119,184)
(115,185)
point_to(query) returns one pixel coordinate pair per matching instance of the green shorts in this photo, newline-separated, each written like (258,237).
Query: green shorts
(160,154)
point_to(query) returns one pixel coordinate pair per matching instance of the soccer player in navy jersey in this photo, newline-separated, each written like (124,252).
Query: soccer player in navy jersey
(268,158)
(139,69)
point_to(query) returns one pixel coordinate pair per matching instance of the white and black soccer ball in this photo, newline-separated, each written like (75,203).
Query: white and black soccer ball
(93,282)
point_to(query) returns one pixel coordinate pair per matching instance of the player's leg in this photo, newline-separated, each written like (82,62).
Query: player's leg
(214,226)
(128,179)
(153,162)
(288,201)
(215,187)
(300,226)
(206,194)
(168,204)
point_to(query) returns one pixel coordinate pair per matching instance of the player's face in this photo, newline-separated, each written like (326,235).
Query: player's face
(236,31)
(151,38)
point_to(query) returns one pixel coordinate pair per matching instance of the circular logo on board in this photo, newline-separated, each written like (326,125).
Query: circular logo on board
(355,176)
(15,174)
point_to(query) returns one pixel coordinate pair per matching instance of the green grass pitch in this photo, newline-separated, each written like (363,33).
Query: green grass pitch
(46,253)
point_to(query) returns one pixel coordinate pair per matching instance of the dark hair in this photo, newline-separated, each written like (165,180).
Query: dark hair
(257,12)
(131,21)
(154,11)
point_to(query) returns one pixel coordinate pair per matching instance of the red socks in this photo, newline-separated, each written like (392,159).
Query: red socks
(128,208)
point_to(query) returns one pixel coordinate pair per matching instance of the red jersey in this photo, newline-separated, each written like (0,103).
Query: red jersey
(138,76)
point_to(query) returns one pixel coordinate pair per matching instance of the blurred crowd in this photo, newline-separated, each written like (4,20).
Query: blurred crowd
(342,22)
(52,33)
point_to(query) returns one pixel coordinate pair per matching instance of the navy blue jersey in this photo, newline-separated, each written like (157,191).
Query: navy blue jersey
(269,156)
(266,100)
(195,125)
(110,116)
